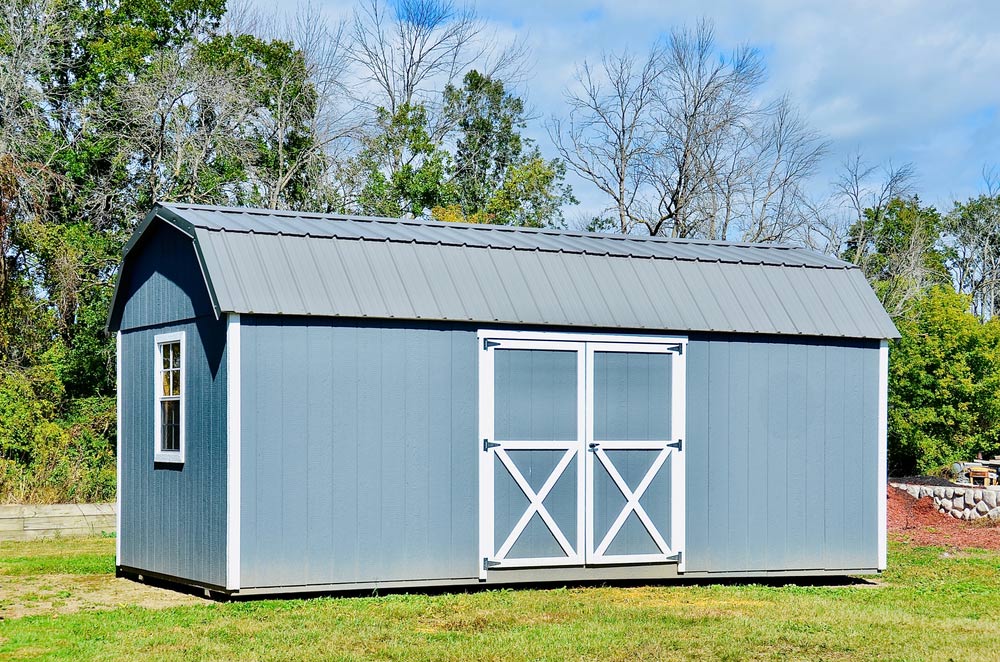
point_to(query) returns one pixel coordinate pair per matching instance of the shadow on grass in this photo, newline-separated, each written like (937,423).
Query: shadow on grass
(219,594)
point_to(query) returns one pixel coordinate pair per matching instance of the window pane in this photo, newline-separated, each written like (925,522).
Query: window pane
(170,425)
(165,355)
(175,352)
(175,379)
(165,388)
(632,396)
(536,394)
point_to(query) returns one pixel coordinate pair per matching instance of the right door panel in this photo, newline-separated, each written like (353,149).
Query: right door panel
(634,465)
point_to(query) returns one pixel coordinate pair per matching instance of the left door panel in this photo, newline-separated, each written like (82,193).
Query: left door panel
(531,461)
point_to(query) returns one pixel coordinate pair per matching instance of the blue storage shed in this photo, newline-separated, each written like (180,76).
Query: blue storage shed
(316,403)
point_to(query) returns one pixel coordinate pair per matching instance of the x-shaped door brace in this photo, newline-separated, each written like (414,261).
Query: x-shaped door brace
(632,501)
(537,504)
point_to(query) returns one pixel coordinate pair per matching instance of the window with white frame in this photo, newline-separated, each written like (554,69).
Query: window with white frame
(170,393)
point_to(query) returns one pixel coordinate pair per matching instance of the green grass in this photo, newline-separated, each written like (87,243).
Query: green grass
(927,607)
(71,555)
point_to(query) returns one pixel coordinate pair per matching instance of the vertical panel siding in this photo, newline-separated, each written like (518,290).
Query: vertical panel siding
(359,452)
(174,517)
(162,282)
(781,454)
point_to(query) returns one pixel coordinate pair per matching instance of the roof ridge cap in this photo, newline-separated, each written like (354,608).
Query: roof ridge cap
(607,252)
(481,227)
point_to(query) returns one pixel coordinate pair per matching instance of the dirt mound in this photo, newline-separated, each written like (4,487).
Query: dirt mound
(918,521)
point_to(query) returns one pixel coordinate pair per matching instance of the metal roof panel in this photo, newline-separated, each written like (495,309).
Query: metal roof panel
(273,262)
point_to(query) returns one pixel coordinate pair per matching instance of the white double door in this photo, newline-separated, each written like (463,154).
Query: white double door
(581,456)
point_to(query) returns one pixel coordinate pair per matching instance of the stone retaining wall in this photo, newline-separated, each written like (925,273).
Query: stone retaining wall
(72,519)
(966,503)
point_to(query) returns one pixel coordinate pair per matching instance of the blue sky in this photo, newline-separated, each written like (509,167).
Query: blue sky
(900,80)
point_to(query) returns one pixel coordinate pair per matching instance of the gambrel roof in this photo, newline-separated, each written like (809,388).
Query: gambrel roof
(296,263)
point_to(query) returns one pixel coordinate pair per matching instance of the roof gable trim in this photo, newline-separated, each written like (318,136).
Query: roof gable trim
(186,228)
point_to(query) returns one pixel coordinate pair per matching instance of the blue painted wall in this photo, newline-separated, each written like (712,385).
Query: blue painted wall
(162,281)
(360,452)
(782,454)
(173,518)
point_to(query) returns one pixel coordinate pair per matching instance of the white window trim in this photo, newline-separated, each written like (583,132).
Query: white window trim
(173,457)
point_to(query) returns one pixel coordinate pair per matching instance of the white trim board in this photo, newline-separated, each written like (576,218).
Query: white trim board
(569,336)
(883,439)
(118,449)
(573,449)
(233,450)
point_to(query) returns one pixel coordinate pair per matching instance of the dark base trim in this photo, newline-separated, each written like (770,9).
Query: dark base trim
(192,586)
(541,577)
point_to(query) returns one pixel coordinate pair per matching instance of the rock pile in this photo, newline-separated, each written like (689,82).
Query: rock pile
(964,503)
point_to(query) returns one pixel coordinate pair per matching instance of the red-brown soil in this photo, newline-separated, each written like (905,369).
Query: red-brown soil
(918,521)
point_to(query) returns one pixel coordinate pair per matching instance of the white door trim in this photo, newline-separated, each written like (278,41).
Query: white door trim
(555,336)
(587,343)
(490,453)
(677,348)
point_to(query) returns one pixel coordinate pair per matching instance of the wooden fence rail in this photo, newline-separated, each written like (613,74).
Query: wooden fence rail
(69,519)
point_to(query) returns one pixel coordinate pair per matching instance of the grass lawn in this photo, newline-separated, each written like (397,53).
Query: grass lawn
(931,604)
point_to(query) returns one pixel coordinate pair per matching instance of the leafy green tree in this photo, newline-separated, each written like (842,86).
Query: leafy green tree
(498,175)
(899,250)
(488,120)
(406,171)
(944,377)
(105,109)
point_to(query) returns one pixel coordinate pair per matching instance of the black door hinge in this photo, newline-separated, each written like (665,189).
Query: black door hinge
(679,445)
(487,343)
(679,348)
(487,564)
(676,557)
(487,444)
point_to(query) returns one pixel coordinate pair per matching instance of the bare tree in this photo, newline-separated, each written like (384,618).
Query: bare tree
(991,180)
(184,116)
(409,50)
(973,236)
(823,227)
(28,28)
(705,105)
(321,108)
(682,146)
(609,137)
(763,190)
(865,191)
